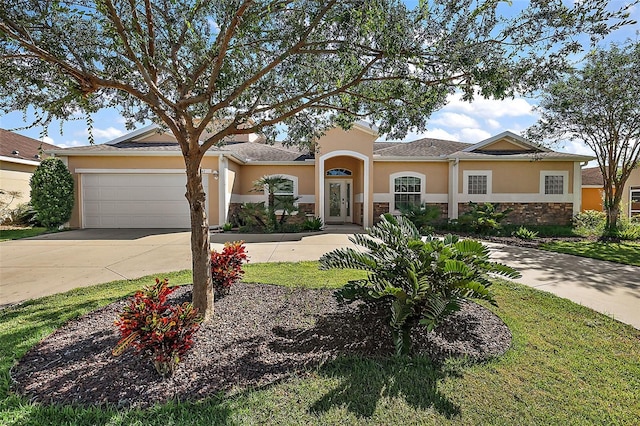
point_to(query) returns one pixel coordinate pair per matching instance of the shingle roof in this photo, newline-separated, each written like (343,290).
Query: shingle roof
(421,148)
(27,148)
(260,151)
(592,176)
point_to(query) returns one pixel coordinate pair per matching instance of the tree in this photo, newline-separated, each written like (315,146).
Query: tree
(599,105)
(52,192)
(207,70)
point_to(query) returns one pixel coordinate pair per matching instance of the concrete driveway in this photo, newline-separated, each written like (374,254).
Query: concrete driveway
(54,263)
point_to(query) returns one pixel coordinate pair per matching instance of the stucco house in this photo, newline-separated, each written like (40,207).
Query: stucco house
(593,192)
(19,157)
(138,180)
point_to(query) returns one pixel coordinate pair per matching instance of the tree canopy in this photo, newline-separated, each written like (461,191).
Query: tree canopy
(209,69)
(599,105)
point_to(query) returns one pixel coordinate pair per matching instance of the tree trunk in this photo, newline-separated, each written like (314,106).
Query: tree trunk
(200,248)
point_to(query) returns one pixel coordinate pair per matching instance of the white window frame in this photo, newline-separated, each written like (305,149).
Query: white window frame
(466,174)
(632,191)
(392,185)
(292,178)
(565,183)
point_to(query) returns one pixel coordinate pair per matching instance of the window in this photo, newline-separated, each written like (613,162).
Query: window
(635,201)
(339,172)
(285,191)
(553,184)
(284,194)
(477,184)
(407,191)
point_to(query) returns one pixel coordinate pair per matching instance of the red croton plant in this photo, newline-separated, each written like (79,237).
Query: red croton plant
(226,266)
(151,325)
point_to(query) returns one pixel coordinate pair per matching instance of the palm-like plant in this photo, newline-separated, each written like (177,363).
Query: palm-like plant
(422,281)
(285,202)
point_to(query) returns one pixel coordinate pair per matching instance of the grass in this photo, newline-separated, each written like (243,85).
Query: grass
(542,230)
(16,234)
(624,252)
(568,366)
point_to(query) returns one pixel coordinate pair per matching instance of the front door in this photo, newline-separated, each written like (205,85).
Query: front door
(338,200)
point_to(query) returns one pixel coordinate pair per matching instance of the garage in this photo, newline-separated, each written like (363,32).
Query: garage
(135,200)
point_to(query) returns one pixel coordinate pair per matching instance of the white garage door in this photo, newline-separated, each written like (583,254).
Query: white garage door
(133,200)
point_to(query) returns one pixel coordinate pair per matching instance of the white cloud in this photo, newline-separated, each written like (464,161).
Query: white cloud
(491,108)
(438,134)
(452,119)
(47,139)
(73,143)
(493,124)
(473,135)
(107,134)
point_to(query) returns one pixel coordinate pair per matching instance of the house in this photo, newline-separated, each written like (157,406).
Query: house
(19,157)
(593,192)
(138,180)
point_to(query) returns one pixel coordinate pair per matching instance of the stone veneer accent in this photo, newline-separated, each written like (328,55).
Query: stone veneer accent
(532,213)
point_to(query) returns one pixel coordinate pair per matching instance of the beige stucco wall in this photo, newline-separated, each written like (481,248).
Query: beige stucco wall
(248,174)
(351,140)
(502,145)
(436,175)
(515,177)
(15,177)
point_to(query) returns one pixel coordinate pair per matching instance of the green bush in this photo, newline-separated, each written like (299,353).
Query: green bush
(312,224)
(482,218)
(589,223)
(525,234)
(52,193)
(421,282)
(423,216)
(629,230)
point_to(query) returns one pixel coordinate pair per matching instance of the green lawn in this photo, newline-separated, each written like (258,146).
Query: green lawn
(568,366)
(16,234)
(625,252)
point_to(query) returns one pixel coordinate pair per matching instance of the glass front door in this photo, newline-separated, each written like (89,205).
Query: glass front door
(338,201)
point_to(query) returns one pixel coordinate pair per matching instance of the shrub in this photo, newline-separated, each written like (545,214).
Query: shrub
(525,234)
(421,282)
(589,223)
(52,192)
(227,227)
(422,216)
(482,218)
(151,325)
(312,224)
(629,230)
(226,266)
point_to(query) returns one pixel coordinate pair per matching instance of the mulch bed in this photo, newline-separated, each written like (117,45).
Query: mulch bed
(260,334)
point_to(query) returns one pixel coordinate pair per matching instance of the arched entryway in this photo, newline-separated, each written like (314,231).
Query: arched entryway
(344,187)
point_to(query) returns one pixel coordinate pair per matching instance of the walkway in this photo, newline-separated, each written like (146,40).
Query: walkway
(54,263)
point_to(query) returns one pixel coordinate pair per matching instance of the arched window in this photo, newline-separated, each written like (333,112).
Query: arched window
(339,172)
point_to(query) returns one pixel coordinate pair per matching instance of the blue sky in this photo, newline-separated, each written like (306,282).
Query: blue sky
(460,121)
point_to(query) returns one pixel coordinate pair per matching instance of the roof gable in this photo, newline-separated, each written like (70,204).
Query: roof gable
(505,143)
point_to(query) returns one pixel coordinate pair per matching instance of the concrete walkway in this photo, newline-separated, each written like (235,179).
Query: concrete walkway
(54,263)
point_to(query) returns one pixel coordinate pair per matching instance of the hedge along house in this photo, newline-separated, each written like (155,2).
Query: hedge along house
(138,180)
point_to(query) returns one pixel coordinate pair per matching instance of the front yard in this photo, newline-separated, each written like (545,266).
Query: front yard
(567,365)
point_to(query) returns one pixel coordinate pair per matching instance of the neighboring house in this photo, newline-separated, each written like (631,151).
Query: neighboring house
(593,192)
(19,157)
(138,180)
